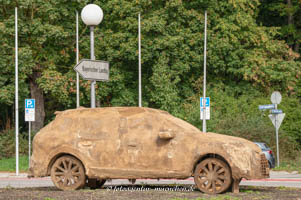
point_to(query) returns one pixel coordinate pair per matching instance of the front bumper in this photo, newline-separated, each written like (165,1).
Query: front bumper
(264,166)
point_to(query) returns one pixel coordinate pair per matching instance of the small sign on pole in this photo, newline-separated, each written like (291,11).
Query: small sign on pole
(29,110)
(93,69)
(277,120)
(207,107)
(275,111)
(29,117)
(276,97)
(265,107)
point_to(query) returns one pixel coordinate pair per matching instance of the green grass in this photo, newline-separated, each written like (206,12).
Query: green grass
(289,166)
(9,164)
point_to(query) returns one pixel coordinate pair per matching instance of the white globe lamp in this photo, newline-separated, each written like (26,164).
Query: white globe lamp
(92,15)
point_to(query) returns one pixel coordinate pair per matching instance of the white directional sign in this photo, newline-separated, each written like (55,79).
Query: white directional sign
(264,107)
(207,107)
(93,69)
(277,119)
(29,110)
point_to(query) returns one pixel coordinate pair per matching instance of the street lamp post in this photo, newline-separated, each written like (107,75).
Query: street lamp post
(92,15)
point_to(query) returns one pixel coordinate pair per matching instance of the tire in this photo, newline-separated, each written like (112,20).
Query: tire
(68,173)
(95,183)
(270,165)
(212,176)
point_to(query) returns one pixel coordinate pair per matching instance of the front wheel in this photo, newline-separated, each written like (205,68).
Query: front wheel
(68,173)
(212,176)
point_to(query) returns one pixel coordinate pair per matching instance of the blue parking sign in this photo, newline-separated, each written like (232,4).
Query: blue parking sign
(207,102)
(29,103)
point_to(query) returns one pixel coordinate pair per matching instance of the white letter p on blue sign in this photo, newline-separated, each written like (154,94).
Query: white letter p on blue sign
(29,103)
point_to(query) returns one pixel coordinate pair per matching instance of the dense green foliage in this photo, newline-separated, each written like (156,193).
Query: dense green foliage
(248,58)
(7,144)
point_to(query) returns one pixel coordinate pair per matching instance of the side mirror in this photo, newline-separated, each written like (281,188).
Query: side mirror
(166,135)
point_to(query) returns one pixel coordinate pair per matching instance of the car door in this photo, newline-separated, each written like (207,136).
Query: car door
(142,149)
(98,139)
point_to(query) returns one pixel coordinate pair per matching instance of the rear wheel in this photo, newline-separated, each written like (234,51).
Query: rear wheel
(67,173)
(212,176)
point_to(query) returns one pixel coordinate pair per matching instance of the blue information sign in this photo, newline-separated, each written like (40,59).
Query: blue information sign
(274,111)
(29,103)
(207,102)
(29,110)
(263,107)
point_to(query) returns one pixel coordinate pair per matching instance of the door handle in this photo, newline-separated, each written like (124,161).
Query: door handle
(132,144)
(166,135)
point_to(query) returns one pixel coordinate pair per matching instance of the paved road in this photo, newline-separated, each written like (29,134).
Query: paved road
(276,179)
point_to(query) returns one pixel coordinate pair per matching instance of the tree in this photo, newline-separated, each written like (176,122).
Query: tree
(45,48)
(243,57)
(287,16)
(240,52)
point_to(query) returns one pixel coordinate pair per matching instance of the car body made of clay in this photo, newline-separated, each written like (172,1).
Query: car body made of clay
(86,146)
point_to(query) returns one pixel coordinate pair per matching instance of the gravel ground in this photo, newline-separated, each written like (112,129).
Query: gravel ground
(153,192)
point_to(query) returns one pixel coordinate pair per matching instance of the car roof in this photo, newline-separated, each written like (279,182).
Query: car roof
(125,112)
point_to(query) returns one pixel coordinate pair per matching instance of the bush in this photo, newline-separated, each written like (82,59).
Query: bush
(8,144)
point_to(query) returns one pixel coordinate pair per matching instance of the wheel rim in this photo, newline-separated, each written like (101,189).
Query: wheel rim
(212,176)
(67,173)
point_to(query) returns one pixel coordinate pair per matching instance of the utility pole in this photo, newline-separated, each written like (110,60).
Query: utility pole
(16,92)
(204,86)
(77,60)
(139,47)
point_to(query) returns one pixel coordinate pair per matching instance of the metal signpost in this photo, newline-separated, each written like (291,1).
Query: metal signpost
(204,87)
(29,117)
(92,15)
(139,68)
(16,92)
(77,59)
(207,108)
(276,116)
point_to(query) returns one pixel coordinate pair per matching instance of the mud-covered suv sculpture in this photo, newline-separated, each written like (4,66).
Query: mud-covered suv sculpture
(87,146)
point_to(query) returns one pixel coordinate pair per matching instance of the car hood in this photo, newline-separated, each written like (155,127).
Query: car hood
(230,140)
